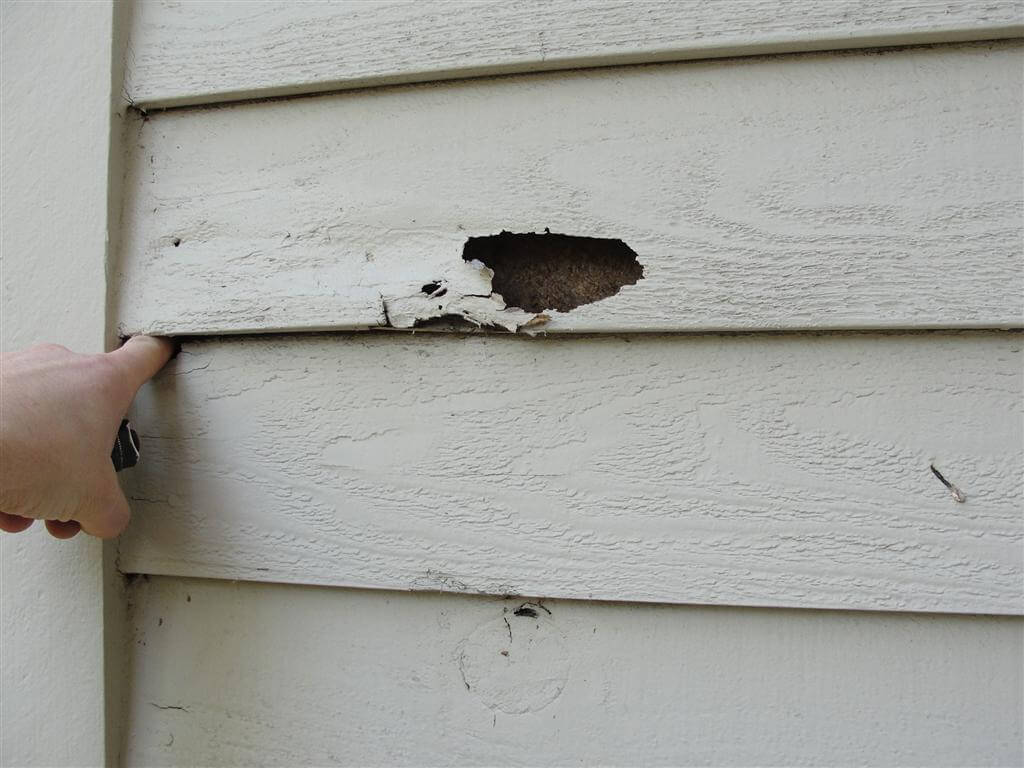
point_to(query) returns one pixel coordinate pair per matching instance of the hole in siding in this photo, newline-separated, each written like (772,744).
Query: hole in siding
(176,241)
(538,272)
(434,290)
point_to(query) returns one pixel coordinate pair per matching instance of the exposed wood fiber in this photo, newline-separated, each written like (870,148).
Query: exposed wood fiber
(538,272)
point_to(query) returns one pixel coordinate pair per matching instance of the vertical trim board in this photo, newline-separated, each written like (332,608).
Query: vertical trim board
(57,130)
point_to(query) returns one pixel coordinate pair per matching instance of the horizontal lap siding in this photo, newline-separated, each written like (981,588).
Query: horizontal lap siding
(800,192)
(804,192)
(187,54)
(256,674)
(785,470)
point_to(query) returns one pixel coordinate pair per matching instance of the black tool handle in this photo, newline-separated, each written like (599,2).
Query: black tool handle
(127,447)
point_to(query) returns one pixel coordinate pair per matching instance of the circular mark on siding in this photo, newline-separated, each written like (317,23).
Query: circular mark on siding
(518,675)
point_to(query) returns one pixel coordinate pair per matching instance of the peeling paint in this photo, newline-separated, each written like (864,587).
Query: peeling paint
(464,291)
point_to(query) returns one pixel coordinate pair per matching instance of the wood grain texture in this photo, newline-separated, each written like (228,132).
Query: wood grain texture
(785,470)
(802,192)
(241,674)
(189,53)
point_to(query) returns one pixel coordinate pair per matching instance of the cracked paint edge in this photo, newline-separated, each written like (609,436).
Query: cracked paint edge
(465,292)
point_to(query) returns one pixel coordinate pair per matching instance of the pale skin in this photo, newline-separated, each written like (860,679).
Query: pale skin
(59,415)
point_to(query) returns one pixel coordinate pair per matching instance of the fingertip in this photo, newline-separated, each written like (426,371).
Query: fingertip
(154,347)
(14,523)
(143,356)
(61,529)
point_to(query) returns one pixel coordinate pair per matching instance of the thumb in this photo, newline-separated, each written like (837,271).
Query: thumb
(141,357)
(107,513)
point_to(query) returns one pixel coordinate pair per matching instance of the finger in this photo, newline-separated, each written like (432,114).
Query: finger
(14,523)
(61,529)
(108,513)
(141,357)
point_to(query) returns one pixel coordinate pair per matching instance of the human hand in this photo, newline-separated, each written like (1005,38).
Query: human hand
(59,416)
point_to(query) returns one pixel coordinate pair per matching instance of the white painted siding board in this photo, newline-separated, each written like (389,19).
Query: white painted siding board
(256,674)
(800,192)
(784,470)
(188,53)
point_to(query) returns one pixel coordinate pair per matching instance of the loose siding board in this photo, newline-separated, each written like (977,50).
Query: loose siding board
(856,190)
(189,53)
(781,470)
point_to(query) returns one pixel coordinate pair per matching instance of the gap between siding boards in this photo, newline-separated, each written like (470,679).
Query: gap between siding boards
(837,47)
